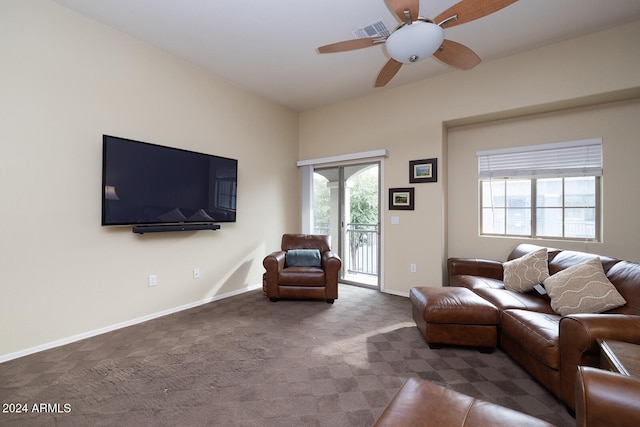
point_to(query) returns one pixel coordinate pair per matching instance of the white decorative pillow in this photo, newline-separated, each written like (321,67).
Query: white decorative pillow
(582,288)
(522,274)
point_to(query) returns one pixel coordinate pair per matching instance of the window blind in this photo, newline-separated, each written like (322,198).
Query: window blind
(560,159)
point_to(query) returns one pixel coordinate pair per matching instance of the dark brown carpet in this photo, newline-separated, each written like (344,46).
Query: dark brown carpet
(245,361)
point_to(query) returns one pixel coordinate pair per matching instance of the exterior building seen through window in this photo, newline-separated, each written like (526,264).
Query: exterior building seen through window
(544,207)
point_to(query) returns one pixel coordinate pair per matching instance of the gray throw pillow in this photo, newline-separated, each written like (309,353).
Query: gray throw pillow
(303,258)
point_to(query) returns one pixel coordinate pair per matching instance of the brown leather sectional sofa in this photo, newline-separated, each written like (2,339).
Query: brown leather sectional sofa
(549,346)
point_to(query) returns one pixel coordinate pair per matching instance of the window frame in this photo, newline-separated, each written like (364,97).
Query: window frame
(533,210)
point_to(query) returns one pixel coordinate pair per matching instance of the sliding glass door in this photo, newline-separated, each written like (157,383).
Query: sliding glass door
(346,205)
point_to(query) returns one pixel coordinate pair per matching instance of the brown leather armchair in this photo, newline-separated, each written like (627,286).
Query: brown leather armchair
(286,278)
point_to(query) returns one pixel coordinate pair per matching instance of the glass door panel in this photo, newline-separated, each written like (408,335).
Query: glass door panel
(346,202)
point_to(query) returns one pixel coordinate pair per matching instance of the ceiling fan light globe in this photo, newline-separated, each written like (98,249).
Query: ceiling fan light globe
(414,42)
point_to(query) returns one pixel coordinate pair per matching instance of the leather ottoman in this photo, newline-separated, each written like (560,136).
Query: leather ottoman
(455,316)
(421,403)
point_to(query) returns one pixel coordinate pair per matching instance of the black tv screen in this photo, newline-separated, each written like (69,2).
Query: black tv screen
(145,183)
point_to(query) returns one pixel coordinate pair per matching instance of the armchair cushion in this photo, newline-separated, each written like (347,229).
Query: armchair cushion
(303,258)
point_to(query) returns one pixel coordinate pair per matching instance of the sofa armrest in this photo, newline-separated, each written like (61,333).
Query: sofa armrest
(579,346)
(606,398)
(473,267)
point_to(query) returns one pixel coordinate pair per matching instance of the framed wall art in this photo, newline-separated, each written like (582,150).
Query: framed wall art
(401,199)
(425,170)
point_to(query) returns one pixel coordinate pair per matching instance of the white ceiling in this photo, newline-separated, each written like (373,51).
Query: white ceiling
(269,47)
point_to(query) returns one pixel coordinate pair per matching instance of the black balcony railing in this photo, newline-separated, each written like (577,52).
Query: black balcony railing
(362,247)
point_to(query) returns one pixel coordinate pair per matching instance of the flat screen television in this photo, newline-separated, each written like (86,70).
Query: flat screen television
(145,183)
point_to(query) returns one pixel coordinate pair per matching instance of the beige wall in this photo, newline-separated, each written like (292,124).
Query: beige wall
(66,80)
(618,126)
(412,122)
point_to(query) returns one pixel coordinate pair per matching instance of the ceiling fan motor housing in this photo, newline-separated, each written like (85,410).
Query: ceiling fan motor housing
(414,42)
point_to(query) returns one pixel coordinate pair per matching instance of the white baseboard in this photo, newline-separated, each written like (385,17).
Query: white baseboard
(85,335)
(400,294)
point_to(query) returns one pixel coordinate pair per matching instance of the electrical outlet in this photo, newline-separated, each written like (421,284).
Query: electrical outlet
(153,280)
(412,267)
(196,273)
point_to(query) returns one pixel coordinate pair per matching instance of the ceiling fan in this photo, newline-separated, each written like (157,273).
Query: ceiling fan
(418,38)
